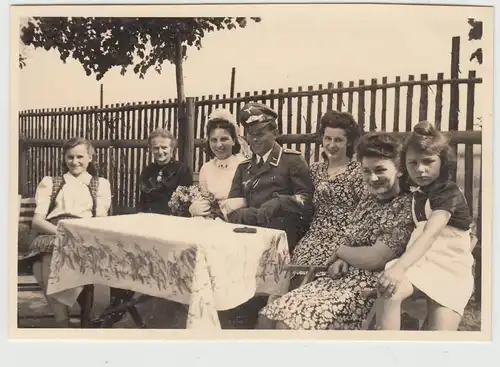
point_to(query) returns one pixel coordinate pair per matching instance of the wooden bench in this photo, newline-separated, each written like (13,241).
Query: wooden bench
(26,281)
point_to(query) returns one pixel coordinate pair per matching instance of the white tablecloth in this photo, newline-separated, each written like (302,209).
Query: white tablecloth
(197,262)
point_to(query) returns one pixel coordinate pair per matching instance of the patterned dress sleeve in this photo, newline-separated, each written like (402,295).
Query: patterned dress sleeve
(103,198)
(397,225)
(448,196)
(42,196)
(315,172)
(358,185)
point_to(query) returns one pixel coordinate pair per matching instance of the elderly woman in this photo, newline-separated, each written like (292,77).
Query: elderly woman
(159,180)
(338,187)
(223,147)
(378,232)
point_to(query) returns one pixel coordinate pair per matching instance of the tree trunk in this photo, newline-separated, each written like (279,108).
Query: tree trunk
(179,75)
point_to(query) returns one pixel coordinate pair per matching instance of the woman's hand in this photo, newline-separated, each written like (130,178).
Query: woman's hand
(200,208)
(389,280)
(338,269)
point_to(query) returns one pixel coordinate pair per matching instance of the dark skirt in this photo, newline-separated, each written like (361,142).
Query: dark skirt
(43,243)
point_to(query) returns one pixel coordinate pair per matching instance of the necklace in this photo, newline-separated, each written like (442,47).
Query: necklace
(159,178)
(222,163)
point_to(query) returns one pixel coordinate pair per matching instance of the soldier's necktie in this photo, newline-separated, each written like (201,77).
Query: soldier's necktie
(260,162)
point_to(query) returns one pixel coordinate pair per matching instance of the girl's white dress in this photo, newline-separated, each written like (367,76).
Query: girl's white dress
(444,273)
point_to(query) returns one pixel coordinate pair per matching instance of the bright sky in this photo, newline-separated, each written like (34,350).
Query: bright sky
(291,47)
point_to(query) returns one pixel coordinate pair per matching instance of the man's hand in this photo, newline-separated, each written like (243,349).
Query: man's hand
(267,211)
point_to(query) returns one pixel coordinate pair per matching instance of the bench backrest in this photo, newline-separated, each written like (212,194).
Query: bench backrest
(27,208)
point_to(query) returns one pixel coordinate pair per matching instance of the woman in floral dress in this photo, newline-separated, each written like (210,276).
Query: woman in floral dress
(378,232)
(338,187)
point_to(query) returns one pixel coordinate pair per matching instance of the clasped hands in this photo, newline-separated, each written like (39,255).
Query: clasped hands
(337,268)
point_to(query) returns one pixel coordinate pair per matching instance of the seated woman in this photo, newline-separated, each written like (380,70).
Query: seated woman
(223,147)
(378,232)
(78,193)
(159,180)
(338,187)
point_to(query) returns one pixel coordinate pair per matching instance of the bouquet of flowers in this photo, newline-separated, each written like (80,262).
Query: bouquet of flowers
(183,197)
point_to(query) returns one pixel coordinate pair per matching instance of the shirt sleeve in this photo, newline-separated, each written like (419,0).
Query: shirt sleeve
(447,196)
(42,196)
(103,198)
(398,226)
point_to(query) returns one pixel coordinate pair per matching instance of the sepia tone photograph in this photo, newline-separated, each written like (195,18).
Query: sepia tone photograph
(296,169)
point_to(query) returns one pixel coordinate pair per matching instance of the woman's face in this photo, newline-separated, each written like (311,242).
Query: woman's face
(77,159)
(423,168)
(221,143)
(162,149)
(335,143)
(381,176)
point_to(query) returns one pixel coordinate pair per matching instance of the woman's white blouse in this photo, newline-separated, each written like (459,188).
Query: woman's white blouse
(216,175)
(74,197)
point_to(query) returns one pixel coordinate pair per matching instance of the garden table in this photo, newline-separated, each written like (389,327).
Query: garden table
(198,262)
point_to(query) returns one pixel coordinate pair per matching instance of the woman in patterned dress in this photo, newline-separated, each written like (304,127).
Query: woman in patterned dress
(378,232)
(78,193)
(338,187)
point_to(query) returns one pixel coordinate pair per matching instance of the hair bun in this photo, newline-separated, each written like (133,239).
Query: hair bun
(425,128)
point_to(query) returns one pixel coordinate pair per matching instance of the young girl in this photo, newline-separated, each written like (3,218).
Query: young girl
(438,259)
(78,193)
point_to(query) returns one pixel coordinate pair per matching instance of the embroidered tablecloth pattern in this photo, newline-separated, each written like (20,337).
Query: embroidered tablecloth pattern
(198,262)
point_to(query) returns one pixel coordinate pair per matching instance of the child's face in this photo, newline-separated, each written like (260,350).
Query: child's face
(77,159)
(423,168)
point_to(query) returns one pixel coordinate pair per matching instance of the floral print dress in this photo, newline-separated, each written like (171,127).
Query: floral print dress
(334,202)
(327,303)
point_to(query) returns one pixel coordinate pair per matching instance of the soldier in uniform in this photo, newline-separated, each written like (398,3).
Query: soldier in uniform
(275,182)
(272,189)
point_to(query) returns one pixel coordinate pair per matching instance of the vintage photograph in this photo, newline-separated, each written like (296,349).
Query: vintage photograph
(294,168)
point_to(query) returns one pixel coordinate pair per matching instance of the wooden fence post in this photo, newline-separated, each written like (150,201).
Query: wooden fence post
(454,94)
(186,135)
(23,174)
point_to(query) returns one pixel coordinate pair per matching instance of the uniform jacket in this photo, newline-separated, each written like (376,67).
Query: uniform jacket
(278,194)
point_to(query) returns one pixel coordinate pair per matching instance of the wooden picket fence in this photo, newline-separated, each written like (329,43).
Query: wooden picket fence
(120,131)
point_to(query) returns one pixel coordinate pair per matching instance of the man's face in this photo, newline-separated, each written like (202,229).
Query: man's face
(261,139)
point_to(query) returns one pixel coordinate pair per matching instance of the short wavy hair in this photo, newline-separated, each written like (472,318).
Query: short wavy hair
(383,145)
(163,133)
(74,142)
(426,139)
(344,121)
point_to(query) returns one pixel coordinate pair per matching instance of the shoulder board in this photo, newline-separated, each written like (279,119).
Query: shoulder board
(291,151)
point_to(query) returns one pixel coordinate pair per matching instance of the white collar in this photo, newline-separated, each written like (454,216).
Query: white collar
(265,156)
(85,177)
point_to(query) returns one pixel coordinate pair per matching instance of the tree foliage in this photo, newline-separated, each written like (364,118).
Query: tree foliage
(476,34)
(100,44)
